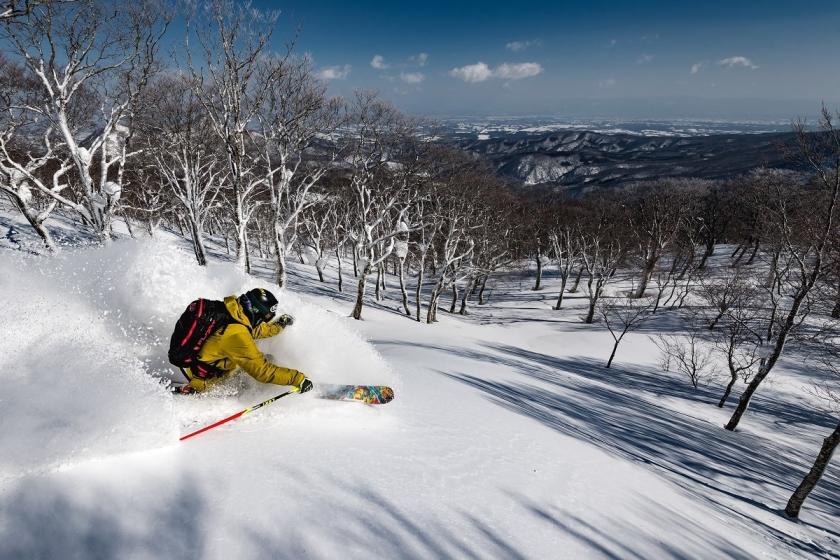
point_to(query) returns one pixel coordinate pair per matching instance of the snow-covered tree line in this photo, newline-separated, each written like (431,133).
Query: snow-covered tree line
(750,267)
(69,119)
(231,138)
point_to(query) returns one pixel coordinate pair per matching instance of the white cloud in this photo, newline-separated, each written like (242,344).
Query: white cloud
(517,71)
(517,46)
(422,58)
(334,72)
(480,72)
(696,67)
(644,59)
(612,43)
(412,77)
(734,61)
(608,83)
(472,73)
(378,62)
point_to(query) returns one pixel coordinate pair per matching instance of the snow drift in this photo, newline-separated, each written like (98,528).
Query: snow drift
(83,359)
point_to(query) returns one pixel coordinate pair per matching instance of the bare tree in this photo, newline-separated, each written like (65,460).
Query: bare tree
(734,303)
(83,53)
(148,200)
(296,117)
(655,214)
(341,231)
(665,278)
(401,254)
(316,221)
(676,270)
(381,136)
(712,221)
(10,9)
(814,475)
(741,344)
(35,209)
(829,393)
(423,240)
(28,151)
(804,221)
(622,315)
(494,233)
(601,249)
(720,294)
(564,243)
(686,353)
(176,135)
(232,81)
(535,215)
(454,203)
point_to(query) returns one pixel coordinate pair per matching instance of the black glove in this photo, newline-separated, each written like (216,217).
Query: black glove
(284,320)
(305,385)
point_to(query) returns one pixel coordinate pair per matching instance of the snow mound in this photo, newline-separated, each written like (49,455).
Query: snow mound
(83,356)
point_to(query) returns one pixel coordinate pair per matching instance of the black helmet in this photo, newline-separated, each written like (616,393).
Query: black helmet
(260,305)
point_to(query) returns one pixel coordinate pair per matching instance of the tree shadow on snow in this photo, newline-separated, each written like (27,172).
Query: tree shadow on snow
(44,519)
(609,542)
(364,522)
(580,398)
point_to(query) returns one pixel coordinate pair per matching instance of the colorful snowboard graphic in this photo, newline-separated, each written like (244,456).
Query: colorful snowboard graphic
(368,394)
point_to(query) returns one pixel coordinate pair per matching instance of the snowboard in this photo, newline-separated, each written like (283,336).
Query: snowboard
(368,394)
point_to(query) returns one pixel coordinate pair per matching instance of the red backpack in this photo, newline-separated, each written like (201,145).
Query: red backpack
(202,318)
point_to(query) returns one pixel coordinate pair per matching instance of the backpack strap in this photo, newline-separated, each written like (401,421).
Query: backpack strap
(191,330)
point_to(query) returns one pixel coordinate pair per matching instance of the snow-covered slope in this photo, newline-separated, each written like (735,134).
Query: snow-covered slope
(506,439)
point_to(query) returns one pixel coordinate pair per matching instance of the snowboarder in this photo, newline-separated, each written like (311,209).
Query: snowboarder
(213,338)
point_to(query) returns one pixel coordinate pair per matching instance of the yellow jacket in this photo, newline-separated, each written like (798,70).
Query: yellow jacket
(234,347)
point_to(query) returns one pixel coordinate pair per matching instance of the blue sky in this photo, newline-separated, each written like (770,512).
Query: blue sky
(633,59)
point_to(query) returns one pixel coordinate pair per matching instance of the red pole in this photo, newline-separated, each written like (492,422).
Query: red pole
(238,414)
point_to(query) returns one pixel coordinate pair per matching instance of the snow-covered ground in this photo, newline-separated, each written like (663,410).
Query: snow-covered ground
(507,438)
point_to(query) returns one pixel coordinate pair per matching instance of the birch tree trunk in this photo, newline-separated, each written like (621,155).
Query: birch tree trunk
(594,296)
(481,300)
(467,293)
(35,219)
(360,294)
(650,265)
(340,275)
(835,311)
(538,283)
(241,245)
(814,475)
(401,272)
(563,278)
(764,370)
(431,312)
(198,242)
(280,255)
(419,291)
(577,281)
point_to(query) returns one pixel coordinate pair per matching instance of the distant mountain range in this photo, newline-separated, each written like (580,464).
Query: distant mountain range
(583,160)
(585,155)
